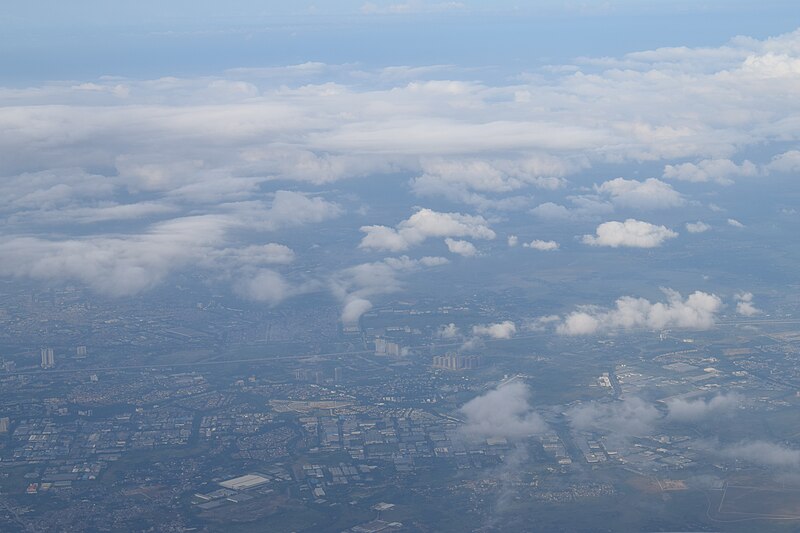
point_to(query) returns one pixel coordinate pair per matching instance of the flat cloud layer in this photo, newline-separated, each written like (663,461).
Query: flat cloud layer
(238,152)
(697,311)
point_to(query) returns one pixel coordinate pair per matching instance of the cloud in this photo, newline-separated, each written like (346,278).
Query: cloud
(353,310)
(649,194)
(361,282)
(503,412)
(764,453)
(422,225)
(785,163)
(680,410)
(545,246)
(264,285)
(697,227)
(583,207)
(501,330)
(449,331)
(114,265)
(630,417)
(513,240)
(470,180)
(718,170)
(735,223)
(631,233)
(745,306)
(463,248)
(697,311)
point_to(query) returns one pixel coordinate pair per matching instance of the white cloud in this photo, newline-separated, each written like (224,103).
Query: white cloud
(630,417)
(420,226)
(500,330)
(265,286)
(697,311)
(355,285)
(583,207)
(503,412)
(463,248)
(697,227)
(785,163)
(735,223)
(353,310)
(745,306)
(764,453)
(718,170)
(649,194)
(680,410)
(545,246)
(631,233)
(448,331)
(513,240)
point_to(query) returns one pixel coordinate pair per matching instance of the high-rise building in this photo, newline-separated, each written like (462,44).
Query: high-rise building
(384,347)
(337,374)
(4,424)
(80,351)
(48,358)
(456,362)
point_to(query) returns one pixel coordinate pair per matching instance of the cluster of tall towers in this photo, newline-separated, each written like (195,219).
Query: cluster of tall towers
(48,358)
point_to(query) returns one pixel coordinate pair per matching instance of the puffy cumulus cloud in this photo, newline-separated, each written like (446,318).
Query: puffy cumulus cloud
(287,209)
(360,282)
(681,410)
(630,417)
(544,246)
(735,223)
(697,227)
(463,248)
(632,233)
(353,309)
(513,240)
(763,453)
(718,170)
(469,181)
(504,412)
(500,330)
(785,163)
(114,265)
(582,207)
(263,285)
(649,194)
(745,306)
(448,331)
(422,225)
(697,311)
(540,323)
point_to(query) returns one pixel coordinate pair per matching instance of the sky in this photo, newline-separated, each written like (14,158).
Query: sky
(353,149)
(84,39)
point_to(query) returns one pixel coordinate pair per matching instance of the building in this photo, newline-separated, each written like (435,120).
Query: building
(80,351)
(48,358)
(4,424)
(337,374)
(384,347)
(456,362)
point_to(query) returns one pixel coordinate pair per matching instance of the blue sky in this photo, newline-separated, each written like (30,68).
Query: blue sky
(86,39)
